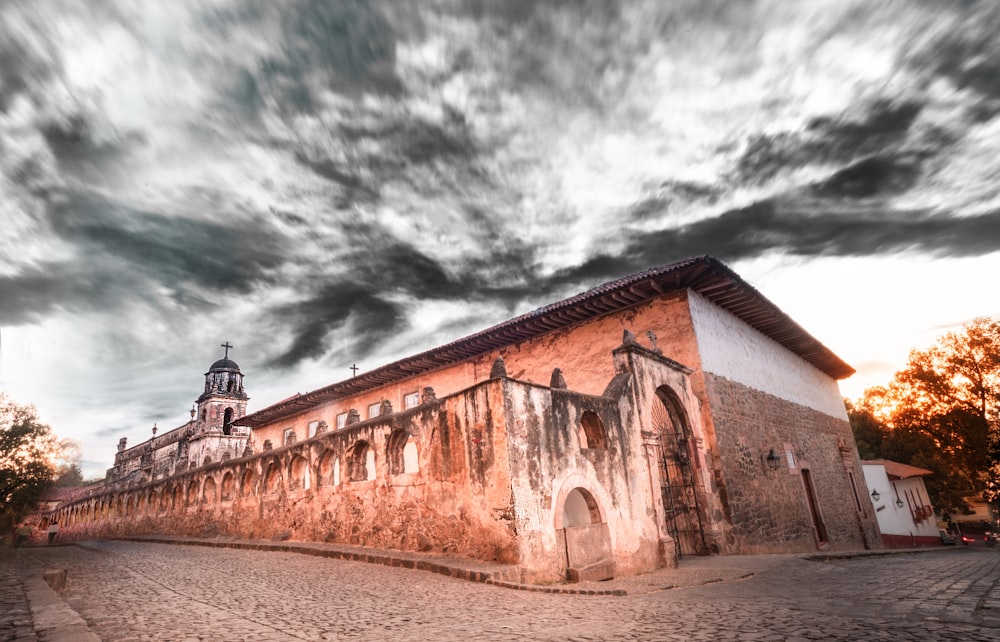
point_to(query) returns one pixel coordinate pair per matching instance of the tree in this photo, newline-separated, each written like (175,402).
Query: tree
(28,451)
(941,413)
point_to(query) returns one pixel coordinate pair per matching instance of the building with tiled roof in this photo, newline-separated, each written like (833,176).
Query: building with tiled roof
(672,412)
(902,505)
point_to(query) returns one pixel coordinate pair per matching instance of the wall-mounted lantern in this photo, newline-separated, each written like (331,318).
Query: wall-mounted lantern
(876,495)
(773,460)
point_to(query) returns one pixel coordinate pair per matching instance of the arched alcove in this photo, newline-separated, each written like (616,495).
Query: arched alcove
(208,491)
(361,462)
(327,462)
(580,509)
(227,487)
(592,431)
(298,473)
(272,479)
(248,484)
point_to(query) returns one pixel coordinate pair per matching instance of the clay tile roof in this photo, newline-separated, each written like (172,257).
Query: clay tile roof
(895,470)
(706,275)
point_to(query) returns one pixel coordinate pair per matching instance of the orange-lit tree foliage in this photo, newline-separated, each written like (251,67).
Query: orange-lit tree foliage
(28,452)
(940,413)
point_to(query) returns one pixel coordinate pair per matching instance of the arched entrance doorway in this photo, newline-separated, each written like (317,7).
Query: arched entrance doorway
(584,535)
(678,490)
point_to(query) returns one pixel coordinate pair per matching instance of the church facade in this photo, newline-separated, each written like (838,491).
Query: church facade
(672,412)
(211,435)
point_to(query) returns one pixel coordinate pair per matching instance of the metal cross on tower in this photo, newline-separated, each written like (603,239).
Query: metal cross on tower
(227,346)
(354,370)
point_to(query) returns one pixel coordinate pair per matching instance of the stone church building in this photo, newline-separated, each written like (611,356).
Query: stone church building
(668,413)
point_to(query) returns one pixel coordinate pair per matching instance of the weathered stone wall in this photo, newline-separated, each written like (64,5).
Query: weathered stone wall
(458,501)
(550,457)
(768,510)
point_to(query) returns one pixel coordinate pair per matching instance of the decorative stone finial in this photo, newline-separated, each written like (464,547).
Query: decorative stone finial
(352,417)
(121,443)
(428,395)
(385,408)
(557,380)
(499,369)
(652,338)
(154,428)
(628,338)
(321,427)
(268,445)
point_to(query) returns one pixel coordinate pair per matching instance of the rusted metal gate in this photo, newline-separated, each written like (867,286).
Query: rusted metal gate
(677,482)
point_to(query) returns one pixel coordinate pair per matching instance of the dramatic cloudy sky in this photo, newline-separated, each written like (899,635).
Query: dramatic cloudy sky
(328,182)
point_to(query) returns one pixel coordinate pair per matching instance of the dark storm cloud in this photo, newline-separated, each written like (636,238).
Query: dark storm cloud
(122,254)
(347,46)
(22,66)
(35,292)
(391,150)
(884,125)
(774,226)
(82,155)
(172,250)
(381,268)
(966,51)
(872,176)
(333,306)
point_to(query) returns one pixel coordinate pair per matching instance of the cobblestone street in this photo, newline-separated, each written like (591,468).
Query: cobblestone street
(128,591)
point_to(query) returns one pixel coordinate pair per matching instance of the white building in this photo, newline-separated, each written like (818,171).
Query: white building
(901,503)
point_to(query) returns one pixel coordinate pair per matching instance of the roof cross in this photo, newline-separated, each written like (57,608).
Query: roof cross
(354,370)
(227,346)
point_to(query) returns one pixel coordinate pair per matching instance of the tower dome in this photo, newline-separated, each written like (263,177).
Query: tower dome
(224,379)
(225,364)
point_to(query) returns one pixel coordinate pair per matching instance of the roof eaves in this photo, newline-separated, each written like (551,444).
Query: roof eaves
(705,274)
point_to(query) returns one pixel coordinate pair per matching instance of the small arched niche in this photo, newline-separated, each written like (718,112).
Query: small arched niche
(592,431)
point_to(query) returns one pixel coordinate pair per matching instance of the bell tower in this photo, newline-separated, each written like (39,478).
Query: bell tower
(224,399)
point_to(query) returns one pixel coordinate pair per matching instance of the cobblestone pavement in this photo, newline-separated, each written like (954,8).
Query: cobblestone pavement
(129,591)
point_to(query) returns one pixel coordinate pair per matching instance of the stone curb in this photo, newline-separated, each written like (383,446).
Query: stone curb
(504,576)
(52,618)
(884,552)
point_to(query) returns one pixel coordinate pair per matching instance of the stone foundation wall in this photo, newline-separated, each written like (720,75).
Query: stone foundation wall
(768,510)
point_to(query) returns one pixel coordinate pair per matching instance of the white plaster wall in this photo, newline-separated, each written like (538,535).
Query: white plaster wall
(732,349)
(893,520)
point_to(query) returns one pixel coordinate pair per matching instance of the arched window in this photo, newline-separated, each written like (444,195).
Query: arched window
(401,453)
(592,432)
(208,492)
(228,484)
(327,466)
(227,422)
(361,462)
(272,480)
(298,474)
(248,485)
